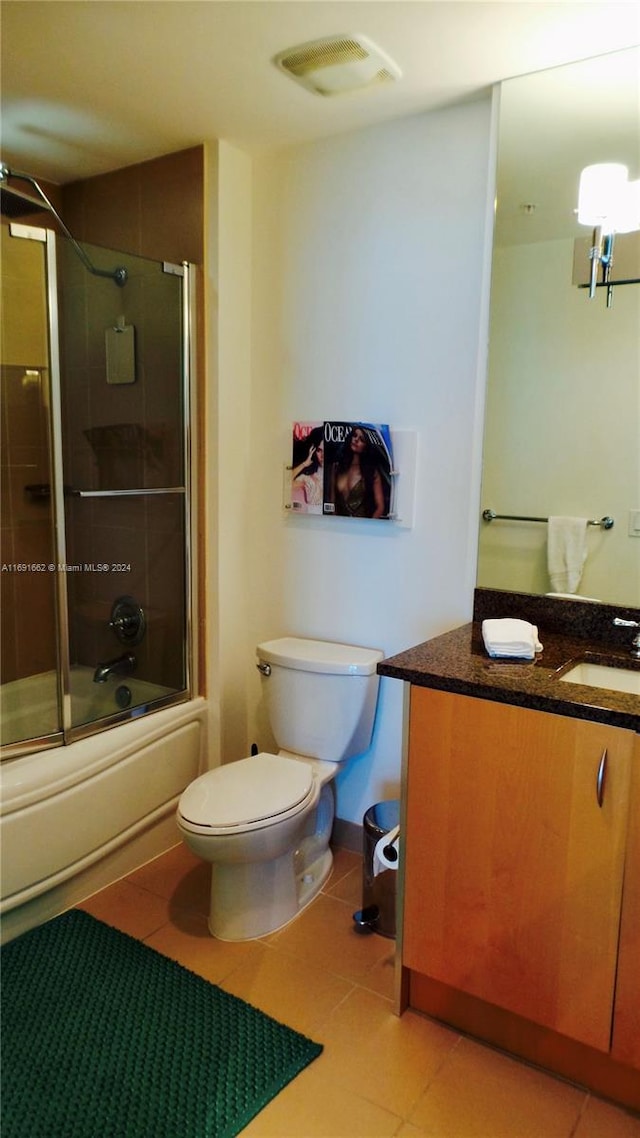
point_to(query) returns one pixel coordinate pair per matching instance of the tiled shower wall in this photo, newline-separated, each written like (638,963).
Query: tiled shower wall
(154,209)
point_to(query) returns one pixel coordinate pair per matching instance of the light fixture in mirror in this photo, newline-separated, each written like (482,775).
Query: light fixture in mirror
(562,422)
(608,203)
(603,195)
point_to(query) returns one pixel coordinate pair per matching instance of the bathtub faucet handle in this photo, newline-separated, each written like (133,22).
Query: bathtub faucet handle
(128,621)
(123,623)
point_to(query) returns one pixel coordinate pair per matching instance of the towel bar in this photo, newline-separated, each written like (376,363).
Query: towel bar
(490,516)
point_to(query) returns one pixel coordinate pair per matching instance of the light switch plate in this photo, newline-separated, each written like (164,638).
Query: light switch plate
(634,523)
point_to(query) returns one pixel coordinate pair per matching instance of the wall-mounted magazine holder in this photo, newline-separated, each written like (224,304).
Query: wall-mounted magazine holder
(405,459)
(402,478)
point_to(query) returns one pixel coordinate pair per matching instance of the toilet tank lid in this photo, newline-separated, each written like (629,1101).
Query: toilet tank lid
(320,656)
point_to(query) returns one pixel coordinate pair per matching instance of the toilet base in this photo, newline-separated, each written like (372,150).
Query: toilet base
(255,899)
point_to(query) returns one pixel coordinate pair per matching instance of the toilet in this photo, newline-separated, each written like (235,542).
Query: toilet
(264,822)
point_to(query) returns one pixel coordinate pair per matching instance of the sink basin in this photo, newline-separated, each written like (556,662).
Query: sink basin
(604,676)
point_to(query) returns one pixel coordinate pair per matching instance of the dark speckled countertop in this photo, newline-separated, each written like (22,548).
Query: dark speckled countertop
(458,662)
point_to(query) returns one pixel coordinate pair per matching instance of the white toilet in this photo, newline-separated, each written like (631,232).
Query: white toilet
(264,822)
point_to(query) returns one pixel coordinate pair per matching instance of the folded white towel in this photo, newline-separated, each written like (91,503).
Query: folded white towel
(509,637)
(566,552)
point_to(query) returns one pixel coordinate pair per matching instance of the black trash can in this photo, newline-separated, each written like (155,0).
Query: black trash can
(378,913)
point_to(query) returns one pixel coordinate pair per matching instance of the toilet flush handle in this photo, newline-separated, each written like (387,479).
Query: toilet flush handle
(264,668)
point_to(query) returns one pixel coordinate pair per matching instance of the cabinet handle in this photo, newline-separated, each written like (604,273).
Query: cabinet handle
(600,777)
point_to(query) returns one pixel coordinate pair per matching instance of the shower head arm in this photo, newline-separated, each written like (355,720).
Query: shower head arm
(119,275)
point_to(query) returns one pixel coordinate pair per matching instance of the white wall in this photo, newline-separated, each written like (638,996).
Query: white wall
(367,304)
(227,415)
(563,422)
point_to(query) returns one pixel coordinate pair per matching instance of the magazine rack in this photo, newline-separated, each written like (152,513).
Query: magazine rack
(404,446)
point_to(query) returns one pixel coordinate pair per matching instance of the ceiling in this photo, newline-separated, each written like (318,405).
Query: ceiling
(90,86)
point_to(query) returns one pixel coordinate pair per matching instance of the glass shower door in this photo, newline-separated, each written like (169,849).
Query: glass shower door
(29,691)
(124,396)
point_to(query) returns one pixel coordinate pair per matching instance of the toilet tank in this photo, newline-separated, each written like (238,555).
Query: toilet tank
(321,696)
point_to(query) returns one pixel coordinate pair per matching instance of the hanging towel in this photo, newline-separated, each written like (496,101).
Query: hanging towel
(510,637)
(566,552)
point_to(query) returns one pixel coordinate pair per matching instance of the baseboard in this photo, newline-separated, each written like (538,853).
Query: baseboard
(541,1046)
(347,835)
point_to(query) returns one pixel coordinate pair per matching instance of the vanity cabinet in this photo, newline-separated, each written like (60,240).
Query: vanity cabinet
(515,846)
(625,1046)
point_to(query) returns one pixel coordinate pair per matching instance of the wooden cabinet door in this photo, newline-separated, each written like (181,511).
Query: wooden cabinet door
(626,1018)
(514,870)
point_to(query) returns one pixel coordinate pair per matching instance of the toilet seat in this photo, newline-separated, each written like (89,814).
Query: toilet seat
(246,795)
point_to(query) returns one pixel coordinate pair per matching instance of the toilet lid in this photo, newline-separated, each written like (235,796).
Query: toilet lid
(247,791)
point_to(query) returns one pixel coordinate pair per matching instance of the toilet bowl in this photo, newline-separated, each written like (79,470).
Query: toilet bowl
(264,822)
(259,824)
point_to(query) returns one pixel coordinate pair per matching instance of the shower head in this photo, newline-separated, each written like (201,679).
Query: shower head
(6,173)
(16,204)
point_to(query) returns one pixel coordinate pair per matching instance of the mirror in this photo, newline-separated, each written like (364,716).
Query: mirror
(562,425)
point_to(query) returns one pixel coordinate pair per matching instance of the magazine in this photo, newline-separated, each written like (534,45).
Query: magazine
(307,468)
(342,468)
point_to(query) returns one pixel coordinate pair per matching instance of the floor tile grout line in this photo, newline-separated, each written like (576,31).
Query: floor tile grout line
(135,936)
(330,972)
(445,1059)
(581,1113)
(326,1017)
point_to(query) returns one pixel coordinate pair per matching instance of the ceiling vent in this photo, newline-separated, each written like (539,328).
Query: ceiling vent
(336,65)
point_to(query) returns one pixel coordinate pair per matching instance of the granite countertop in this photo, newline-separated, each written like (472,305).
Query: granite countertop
(458,662)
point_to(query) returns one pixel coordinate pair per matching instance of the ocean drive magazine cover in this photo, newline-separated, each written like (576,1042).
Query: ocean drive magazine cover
(342,468)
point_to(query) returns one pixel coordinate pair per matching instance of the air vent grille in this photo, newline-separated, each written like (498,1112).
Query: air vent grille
(337,65)
(314,56)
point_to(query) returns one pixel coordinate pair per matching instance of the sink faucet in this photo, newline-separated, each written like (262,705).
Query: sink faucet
(121,666)
(635,643)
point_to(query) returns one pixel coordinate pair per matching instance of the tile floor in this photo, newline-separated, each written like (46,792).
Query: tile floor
(379,1075)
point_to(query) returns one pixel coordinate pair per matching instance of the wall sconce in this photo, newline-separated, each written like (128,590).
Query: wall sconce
(609,203)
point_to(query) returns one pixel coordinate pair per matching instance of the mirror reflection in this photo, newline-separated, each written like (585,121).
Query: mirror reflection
(562,427)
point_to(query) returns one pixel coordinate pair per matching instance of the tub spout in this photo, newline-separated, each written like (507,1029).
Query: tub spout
(121,666)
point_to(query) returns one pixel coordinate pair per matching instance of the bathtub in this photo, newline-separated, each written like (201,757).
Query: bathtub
(75,818)
(30,705)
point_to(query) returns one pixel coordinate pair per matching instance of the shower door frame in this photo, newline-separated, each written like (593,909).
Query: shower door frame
(70,733)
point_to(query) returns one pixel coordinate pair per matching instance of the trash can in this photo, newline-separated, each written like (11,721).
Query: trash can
(378,913)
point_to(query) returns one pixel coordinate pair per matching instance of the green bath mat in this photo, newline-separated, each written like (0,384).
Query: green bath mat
(103,1037)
